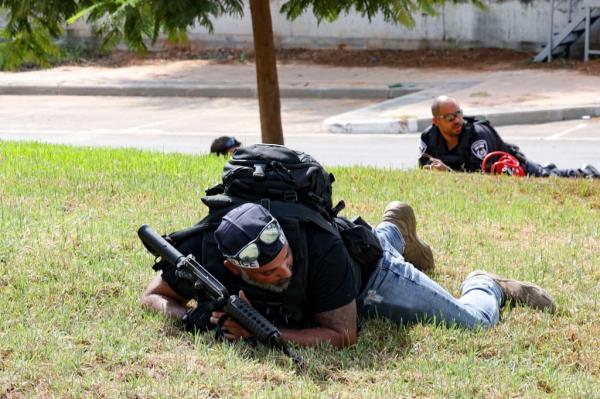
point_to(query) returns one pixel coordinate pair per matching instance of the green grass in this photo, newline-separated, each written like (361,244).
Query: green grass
(72,270)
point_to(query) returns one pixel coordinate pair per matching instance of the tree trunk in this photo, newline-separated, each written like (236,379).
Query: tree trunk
(266,72)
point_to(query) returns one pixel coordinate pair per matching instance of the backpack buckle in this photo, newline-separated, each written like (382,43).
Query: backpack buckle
(259,171)
(336,209)
(315,198)
(290,196)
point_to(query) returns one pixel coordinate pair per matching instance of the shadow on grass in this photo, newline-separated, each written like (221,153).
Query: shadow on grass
(381,344)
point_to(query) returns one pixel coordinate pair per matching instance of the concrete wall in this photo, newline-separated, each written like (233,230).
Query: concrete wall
(516,24)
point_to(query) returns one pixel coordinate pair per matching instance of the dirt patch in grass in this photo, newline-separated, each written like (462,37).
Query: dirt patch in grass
(469,59)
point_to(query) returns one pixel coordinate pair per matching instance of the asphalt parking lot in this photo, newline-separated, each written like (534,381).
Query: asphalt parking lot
(188,125)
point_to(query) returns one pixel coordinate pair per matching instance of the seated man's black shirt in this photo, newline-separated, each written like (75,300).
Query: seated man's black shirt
(475,142)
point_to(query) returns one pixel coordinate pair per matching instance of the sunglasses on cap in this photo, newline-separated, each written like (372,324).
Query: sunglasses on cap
(451,116)
(247,257)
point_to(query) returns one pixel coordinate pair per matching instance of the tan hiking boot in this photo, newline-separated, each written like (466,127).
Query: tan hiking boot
(416,251)
(521,292)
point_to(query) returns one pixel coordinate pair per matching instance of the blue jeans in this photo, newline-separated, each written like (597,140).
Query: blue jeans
(398,291)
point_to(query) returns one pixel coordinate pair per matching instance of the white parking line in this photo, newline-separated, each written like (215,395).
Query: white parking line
(567,131)
(144,126)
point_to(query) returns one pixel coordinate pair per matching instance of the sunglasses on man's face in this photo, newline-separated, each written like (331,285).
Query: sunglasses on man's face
(451,116)
(247,257)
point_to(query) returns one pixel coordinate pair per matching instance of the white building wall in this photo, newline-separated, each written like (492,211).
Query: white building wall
(517,24)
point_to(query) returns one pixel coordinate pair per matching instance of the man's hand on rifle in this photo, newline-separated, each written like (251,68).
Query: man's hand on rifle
(198,319)
(231,329)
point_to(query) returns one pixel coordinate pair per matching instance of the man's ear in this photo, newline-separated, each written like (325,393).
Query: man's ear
(231,267)
(434,121)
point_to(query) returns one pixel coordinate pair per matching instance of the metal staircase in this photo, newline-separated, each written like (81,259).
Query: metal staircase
(560,43)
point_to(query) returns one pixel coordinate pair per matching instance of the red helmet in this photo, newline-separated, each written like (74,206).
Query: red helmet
(501,163)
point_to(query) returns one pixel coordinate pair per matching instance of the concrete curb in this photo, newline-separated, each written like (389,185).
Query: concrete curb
(363,121)
(196,90)
(361,125)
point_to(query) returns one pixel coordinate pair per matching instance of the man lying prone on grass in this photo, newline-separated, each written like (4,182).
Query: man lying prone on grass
(312,289)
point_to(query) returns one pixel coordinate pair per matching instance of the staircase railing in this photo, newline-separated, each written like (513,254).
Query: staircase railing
(576,26)
(589,5)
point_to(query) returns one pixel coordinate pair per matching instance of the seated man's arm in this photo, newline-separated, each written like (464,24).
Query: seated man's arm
(427,161)
(159,296)
(424,158)
(437,164)
(337,326)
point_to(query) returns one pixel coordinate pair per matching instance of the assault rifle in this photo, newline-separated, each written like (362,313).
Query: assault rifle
(232,305)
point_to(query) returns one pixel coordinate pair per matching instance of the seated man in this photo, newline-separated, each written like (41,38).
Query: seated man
(455,143)
(316,297)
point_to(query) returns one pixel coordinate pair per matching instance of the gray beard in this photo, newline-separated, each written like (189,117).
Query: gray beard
(269,287)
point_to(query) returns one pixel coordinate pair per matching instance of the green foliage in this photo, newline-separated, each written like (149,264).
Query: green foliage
(393,11)
(29,46)
(33,25)
(30,30)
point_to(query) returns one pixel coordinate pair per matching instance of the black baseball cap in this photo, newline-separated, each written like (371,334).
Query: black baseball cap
(249,236)
(221,145)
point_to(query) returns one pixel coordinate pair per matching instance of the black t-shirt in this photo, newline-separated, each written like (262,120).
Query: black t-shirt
(329,279)
(333,277)
(477,139)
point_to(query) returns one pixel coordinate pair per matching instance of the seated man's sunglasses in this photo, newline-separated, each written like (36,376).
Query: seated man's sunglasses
(451,116)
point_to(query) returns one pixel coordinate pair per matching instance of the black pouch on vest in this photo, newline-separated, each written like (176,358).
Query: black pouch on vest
(361,243)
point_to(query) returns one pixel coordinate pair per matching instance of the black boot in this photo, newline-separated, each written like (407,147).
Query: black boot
(590,171)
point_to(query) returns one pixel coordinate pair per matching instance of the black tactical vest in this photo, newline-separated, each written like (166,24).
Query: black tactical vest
(284,309)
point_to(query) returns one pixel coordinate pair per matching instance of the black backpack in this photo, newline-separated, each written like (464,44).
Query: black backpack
(270,172)
(278,173)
